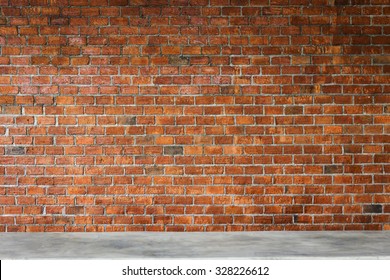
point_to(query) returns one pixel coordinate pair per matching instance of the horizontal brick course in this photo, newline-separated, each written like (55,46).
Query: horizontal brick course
(194,115)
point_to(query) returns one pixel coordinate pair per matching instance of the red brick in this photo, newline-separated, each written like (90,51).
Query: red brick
(136,115)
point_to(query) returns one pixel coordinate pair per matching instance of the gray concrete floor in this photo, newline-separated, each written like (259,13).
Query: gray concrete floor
(248,245)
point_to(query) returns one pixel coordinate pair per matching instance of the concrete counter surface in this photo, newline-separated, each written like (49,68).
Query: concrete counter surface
(205,245)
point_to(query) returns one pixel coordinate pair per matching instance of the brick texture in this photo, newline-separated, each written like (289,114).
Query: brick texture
(194,115)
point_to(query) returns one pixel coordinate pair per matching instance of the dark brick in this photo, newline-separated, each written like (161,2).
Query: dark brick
(119,2)
(75,210)
(127,120)
(307,89)
(230,90)
(373,208)
(173,150)
(148,3)
(382,59)
(179,60)
(360,2)
(382,179)
(362,219)
(331,169)
(294,110)
(59,21)
(153,170)
(145,140)
(382,158)
(299,20)
(340,2)
(352,149)
(15,150)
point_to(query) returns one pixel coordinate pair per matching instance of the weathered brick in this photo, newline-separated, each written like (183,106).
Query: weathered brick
(179,60)
(15,150)
(173,150)
(125,120)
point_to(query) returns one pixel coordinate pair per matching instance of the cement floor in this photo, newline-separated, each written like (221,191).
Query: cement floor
(248,245)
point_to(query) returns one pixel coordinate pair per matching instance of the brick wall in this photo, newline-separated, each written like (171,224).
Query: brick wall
(194,115)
